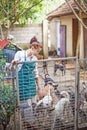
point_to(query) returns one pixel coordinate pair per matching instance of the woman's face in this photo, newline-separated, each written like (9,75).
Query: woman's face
(36,50)
(39,49)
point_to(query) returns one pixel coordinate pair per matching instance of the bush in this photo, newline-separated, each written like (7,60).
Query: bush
(7,105)
(7,98)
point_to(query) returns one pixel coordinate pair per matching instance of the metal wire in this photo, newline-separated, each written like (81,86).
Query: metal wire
(52,111)
(61,104)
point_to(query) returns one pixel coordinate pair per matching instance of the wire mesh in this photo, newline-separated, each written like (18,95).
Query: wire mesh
(82,112)
(8,98)
(52,107)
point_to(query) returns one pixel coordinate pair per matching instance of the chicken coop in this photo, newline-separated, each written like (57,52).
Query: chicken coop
(59,103)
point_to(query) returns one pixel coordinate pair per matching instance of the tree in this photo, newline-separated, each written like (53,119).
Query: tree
(17,11)
(81,7)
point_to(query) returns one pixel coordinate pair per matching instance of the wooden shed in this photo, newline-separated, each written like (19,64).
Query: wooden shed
(64,29)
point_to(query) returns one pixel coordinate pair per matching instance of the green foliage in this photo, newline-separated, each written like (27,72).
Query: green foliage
(16,11)
(13,11)
(2,66)
(21,11)
(7,97)
(7,104)
(2,59)
(48,6)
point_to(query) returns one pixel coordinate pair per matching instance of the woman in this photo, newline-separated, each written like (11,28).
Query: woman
(21,58)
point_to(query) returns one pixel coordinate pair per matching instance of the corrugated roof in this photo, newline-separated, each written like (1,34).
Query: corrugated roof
(62,10)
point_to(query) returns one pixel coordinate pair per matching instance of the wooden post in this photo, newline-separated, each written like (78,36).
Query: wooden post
(45,38)
(80,41)
(53,33)
(76,94)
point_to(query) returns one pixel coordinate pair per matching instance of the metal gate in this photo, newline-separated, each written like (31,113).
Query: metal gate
(82,94)
(53,106)
(59,104)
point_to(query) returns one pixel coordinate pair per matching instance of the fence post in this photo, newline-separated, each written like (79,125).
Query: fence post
(76,93)
(14,89)
(19,111)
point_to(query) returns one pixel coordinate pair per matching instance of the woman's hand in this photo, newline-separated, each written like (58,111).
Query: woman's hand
(14,62)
